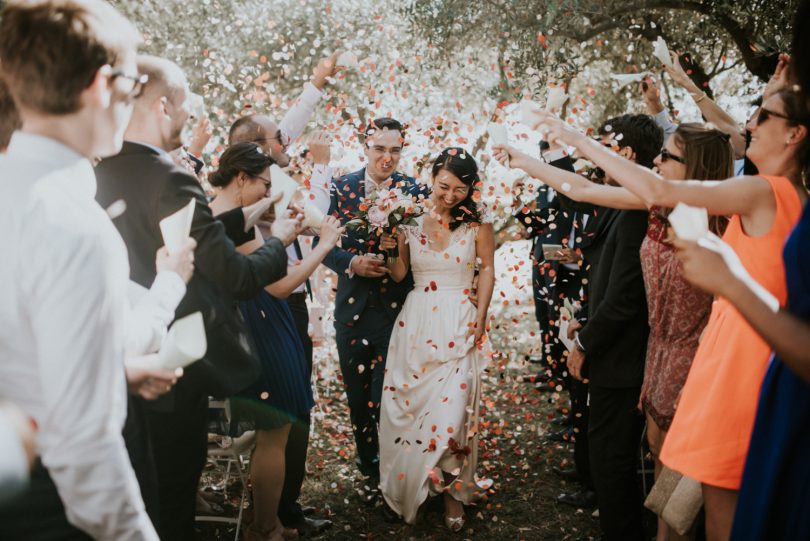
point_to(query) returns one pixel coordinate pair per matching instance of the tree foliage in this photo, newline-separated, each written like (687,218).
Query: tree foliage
(564,36)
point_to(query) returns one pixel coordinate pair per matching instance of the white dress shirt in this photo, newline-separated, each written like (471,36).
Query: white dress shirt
(63,289)
(150,312)
(293,125)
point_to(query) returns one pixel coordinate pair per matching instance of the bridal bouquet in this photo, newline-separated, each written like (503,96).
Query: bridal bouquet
(391,208)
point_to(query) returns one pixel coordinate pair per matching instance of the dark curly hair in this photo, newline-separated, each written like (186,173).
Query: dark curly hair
(246,158)
(462,165)
(639,132)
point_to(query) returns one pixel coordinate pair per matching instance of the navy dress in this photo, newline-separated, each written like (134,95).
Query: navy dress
(283,393)
(774,501)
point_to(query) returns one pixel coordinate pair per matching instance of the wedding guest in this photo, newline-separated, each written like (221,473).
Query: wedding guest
(552,280)
(610,347)
(678,312)
(708,441)
(9,119)
(70,68)
(367,300)
(774,490)
(153,187)
(274,140)
(282,395)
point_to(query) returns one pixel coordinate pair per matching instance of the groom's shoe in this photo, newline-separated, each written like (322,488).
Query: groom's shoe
(369,469)
(580,499)
(310,527)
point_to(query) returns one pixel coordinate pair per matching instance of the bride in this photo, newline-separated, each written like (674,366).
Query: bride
(429,412)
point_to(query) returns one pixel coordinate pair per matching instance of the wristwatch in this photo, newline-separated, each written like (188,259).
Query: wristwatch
(578,344)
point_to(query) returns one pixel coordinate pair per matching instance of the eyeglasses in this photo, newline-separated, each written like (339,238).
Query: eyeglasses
(137,82)
(762,115)
(282,139)
(667,155)
(265,180)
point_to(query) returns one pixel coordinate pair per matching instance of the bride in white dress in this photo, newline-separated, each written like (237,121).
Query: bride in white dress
(429,414)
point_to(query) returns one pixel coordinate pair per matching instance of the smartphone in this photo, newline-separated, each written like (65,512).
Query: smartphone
(553,252)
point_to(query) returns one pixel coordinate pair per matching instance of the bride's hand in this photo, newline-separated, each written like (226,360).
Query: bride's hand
(388,242)
(477,330)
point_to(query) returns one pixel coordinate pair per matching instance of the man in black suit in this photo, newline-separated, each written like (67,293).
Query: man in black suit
(368,300)
(144,177)
(611,346)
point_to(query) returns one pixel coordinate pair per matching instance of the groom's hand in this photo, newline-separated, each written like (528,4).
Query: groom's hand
(368,266)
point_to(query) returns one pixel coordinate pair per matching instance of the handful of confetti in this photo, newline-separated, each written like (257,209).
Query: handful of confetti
(391,208)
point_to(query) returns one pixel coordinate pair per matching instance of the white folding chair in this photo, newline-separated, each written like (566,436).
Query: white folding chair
(235,456)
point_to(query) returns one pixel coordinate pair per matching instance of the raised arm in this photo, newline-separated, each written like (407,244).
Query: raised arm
(712,112)
(297,274)
(739,195)
(570,184)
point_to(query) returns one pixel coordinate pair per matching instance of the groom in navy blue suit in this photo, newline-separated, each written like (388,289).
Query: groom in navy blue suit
(368,300)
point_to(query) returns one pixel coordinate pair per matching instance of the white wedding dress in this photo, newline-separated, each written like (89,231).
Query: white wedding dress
(429,412)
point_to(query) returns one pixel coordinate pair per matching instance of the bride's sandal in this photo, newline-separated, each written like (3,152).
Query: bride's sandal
(454,524)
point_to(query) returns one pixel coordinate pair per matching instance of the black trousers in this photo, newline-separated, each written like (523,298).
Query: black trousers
(295,454)
(579,421)
(139,448)
(179,440)
(38,514)
(362,350)
(614,435)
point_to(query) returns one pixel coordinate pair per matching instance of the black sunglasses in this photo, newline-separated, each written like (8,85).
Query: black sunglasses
(138,83)
(763,115)
(667,155)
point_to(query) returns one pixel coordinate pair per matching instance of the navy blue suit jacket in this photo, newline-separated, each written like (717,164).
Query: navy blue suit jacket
(354,293)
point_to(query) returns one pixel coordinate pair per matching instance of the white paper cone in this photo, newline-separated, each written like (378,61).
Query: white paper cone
(184,344)
(625,79)
(661,52)
(499,136)
(347,59)
(284,183)
(689,223)
(256,214)
(528,112)
(556,98)
(177,227)
(313,217)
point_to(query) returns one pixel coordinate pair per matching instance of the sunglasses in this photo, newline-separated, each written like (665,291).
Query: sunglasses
(762,115)
(667,155)
(136,83)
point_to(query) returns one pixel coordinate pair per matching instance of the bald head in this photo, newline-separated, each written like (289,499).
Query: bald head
(165,79)
(263,131)
(163,108)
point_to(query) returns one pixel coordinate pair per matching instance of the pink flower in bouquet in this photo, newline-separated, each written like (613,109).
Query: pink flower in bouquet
(377,216)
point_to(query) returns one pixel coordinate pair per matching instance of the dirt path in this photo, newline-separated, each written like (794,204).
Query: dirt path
(514,453)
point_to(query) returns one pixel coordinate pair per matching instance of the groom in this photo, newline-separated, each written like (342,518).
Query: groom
(368,300)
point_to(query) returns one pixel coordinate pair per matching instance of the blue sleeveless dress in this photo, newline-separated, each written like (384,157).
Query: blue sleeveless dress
(282,393)
(774,501)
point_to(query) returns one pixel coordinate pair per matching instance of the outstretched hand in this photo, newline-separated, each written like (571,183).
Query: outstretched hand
(779,79)
(327,68)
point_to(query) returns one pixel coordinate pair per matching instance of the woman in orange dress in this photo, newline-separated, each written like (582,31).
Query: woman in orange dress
(709,436)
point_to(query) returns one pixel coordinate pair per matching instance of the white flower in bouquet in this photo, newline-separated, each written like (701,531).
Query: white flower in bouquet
(378,217)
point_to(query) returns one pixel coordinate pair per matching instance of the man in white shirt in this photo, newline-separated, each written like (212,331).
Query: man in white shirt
(70,68)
